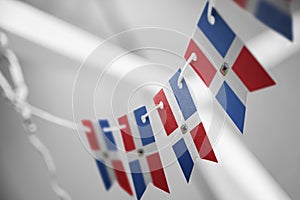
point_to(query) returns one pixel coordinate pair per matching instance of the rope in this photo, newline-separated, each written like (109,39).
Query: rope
(18,97)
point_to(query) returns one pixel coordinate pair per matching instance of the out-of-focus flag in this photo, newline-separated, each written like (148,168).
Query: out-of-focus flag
(142,153)
(108,160)
(183,125)
(273,13)
(226,66)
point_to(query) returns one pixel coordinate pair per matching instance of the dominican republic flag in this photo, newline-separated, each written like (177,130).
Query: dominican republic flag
(183,125)
(142,153)
(273,13)
(226,66)
(108,161)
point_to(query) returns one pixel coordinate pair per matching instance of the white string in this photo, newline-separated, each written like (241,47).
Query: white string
(8,92)
(11,95)
(41,113)
(193,57)
(18,98)
(144,116)
(114,128)
(56,120)
(16,74)
(210,17)
(44,152)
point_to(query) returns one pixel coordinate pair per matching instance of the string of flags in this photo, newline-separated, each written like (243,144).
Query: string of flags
(276,14)
(141,152)
(139,142)
(216,57)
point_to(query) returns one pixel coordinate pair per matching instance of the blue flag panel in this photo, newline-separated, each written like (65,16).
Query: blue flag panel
(145,129)
(184,158)
(104,174)
(280,21)
(219,34)
(137,178)
(232,104)
(183,96)
(108,136)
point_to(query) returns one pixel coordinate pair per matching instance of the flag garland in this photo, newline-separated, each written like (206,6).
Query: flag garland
(276,14)
(181,122)
(226,66)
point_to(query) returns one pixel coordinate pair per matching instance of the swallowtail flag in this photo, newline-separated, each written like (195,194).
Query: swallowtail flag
(108,160)
(226,66)
(142,153)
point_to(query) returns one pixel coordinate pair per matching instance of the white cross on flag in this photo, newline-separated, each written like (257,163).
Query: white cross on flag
(108,161)
(226,66)
(142,153)
(183,125)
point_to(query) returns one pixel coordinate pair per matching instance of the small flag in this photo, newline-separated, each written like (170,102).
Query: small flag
(274,13)
(181,121)
(226,66)
(108,161)
(142,153)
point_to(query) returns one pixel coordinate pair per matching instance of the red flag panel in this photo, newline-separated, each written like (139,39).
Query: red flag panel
(91,135)
(251,73)
(166,114)
(202,143)
(241,3)
(157,172)
(126,134)
(121,176)
(202,65)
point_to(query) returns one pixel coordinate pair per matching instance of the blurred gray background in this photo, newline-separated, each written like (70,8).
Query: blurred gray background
(272,129)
